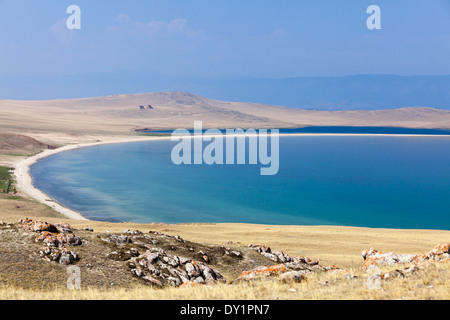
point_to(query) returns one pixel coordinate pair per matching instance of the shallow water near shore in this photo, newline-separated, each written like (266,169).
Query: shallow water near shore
(368,181)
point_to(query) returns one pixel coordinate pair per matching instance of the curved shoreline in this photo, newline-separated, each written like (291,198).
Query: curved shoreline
(25,184)
(24,179)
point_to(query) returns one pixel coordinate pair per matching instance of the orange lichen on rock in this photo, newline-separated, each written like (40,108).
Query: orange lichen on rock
(440,249)
(372,257)
(36,226)
(262,272)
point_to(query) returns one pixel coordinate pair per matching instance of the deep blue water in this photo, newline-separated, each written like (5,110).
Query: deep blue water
(374,181)
(346,130)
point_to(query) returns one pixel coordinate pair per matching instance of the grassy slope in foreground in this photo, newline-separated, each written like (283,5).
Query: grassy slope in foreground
(25,275)
(432,283)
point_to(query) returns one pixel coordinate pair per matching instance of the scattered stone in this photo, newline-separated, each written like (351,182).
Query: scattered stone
(260,248)
(236,254)
(296,263)
(118,239)
(178,238)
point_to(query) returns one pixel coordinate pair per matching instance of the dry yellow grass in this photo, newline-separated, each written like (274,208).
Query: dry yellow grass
(431,283)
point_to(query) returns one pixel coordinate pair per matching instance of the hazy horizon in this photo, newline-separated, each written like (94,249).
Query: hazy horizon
(269,52)
(358,92)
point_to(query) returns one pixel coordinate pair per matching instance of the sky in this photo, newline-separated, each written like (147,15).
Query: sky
(182,40)
(274,39)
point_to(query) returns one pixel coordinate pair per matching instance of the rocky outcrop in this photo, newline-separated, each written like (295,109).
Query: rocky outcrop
(158,268)
(36,226)
(290,269)
(372,257)
(282,257)
(294,263)
(55,237)
(61,255)
(440,253)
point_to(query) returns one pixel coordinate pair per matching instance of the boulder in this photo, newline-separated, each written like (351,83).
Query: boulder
(372,257)
(442,248)
(260,248)
(192,270)
(64,228)
(74,240)
(262,272)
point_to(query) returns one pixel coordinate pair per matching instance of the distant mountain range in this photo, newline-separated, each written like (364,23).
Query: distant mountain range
(359,92)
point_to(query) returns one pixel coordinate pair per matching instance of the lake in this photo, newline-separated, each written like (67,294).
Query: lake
(368,181)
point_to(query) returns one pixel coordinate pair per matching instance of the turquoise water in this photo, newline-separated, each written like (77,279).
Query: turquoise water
(392,182)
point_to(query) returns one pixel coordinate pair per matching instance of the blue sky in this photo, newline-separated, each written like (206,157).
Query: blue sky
(274,39)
